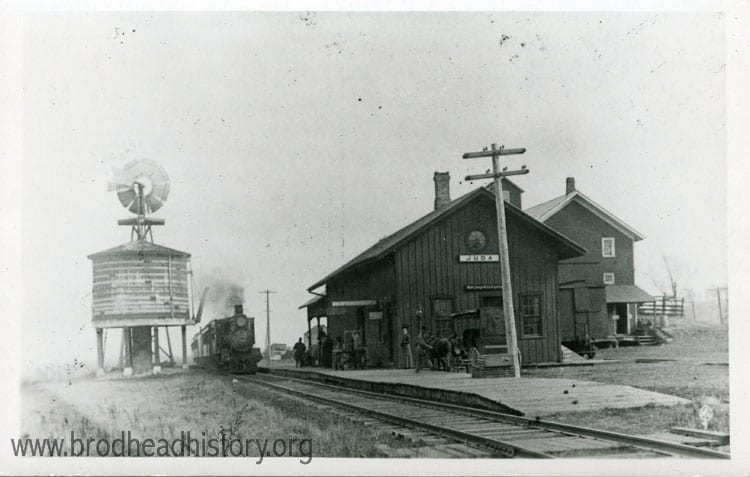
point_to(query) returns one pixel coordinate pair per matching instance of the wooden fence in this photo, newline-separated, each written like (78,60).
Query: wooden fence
(663,306)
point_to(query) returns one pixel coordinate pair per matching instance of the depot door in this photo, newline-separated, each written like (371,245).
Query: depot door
(492,320)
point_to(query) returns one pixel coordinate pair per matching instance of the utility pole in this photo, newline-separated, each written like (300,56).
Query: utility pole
(268,325)
(510,320)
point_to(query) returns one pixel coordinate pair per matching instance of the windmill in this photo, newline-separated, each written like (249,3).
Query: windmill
(142,187)
(141,286)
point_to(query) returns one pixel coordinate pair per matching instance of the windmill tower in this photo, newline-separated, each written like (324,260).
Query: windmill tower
(140,286)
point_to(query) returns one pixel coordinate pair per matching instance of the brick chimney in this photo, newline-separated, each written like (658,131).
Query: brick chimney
(442,189)
(570,185)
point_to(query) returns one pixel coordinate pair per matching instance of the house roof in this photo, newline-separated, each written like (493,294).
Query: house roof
(141,247)
(626,294)
(545,210)
(388,244)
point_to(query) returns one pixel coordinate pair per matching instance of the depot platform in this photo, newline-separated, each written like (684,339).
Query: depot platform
(529,397)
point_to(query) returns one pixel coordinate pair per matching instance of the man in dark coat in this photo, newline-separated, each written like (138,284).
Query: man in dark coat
(441,350)
(423,350)
(299,353)
(326,347)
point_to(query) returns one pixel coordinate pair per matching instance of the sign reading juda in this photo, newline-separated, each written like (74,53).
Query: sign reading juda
(479,258)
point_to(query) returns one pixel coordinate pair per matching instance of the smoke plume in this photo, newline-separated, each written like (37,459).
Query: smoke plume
(223,295)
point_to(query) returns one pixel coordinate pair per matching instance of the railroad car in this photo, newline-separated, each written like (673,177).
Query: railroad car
(228,344)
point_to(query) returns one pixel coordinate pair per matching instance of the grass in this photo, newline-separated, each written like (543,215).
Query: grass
(207,405)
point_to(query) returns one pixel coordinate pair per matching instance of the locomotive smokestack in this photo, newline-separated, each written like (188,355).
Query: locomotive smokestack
(238,310)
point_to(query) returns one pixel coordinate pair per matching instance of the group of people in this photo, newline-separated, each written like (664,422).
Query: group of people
(353,353)
(434,351)
(304,357)
(333,354)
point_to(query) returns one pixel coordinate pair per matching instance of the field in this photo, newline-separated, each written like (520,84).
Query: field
(694,366)
(208,406)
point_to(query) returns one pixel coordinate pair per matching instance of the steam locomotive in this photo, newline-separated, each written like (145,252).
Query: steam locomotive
(227,344)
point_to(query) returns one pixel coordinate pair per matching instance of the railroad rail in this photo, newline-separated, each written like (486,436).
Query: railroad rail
(495,433)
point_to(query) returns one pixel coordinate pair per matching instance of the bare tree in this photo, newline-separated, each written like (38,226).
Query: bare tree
(668,285)
(668,265)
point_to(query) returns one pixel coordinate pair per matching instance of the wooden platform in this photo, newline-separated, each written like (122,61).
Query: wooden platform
(522,396)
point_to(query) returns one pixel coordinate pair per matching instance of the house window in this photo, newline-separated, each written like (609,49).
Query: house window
(506,195)
(608,247)
(441,310)
(531,315)
(609,278)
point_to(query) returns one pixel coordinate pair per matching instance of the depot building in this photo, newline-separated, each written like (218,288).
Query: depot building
(443,266)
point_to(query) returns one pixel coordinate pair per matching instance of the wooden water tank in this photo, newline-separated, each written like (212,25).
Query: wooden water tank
(140,283)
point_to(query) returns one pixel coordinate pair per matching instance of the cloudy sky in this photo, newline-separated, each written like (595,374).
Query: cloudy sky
(295,140)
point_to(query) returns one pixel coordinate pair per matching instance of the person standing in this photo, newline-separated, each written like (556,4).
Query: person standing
(423,350)
(360,351)
(406,347)
(327,351)
(299,353)
(338,354)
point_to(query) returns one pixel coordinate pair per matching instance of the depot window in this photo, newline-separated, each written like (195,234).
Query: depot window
(531,314)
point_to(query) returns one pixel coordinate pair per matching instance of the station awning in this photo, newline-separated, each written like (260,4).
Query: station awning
(626,294)
(311,301)
(316,307)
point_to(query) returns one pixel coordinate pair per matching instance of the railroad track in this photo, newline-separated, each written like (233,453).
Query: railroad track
(489,433)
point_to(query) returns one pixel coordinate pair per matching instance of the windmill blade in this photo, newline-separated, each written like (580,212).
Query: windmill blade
(132,206)
(154,201)
(117,187)
(127,197)
(154,181)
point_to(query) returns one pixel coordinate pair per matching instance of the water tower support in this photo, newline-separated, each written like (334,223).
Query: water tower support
(157,352)
(128,369)
(99,353)
(184,347)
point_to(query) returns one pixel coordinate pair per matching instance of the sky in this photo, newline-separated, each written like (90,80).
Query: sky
(295,140)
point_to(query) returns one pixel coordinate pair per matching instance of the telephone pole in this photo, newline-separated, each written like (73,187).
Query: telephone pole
(268,325)
(510,320)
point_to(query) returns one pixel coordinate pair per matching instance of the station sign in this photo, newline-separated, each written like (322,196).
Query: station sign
(330,311)
(478,288)
(342,307)
(354,303)
(478,257)
(375,315)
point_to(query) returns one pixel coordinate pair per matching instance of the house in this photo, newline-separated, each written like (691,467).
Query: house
(446,264)
(598,295)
